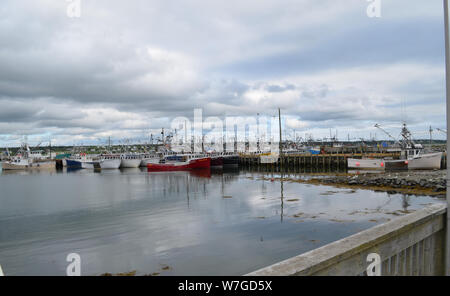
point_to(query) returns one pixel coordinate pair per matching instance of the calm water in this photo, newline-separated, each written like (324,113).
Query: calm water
(175,223)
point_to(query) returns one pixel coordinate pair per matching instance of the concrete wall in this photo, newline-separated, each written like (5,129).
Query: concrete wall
(409,245)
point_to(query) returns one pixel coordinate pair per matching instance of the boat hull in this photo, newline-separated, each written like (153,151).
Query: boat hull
(429,161)
(202,163)
(73,164)
(79,164)
(110,163)
(31,166)
(365,163)
(87,165)
(396,165)
(146,161)
(231,161)
(216,162)
(130,163)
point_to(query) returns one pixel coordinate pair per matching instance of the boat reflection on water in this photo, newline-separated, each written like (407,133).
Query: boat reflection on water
(202,173)
(358,172)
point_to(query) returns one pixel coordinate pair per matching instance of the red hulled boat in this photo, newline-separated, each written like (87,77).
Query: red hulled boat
(194,163)
(216,161)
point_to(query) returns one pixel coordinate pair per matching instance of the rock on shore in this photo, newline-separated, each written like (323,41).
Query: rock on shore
(423,182)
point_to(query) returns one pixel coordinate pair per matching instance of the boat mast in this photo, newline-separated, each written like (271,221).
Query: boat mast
(281,143)
(407,137)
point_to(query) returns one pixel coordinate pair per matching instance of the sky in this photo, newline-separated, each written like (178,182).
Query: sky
(126,69)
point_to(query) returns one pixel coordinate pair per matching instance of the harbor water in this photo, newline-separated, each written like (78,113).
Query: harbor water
(176,223)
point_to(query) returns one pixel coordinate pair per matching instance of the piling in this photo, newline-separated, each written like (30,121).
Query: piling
(296,162)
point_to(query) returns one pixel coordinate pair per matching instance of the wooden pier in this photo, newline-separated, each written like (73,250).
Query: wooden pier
(294,161)
(322,161)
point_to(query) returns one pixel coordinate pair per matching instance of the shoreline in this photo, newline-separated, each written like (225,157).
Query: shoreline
(430,183)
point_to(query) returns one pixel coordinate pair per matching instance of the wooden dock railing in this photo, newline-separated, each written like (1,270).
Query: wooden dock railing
(409,245)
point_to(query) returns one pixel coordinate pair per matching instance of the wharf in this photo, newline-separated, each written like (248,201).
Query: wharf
(331,160)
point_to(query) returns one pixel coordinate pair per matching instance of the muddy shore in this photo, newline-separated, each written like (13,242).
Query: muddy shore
(432,183)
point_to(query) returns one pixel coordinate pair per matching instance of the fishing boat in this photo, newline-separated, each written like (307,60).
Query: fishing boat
(148,158)
(189,163)
(160,157)
(424,161)
(18,163)
(130,160)
(230,160)
(80,161)
(146,161)
(412,156)
(396,165)
(73,164)
(216,161)
(23,161)
(366,163)
(108,161)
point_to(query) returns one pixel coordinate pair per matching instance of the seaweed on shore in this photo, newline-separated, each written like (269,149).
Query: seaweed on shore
(130,273)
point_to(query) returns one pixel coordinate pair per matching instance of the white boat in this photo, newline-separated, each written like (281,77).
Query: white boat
(130,160)
(150,158)
(36,155)
(366,163)
(411,153)
(23,161)
(109,161)
(88,164)
(146,161)
(425,161)
(19,163)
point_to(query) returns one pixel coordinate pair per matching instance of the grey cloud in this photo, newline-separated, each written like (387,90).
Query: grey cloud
(208,55)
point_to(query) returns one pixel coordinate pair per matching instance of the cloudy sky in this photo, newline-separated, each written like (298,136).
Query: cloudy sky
(126,68)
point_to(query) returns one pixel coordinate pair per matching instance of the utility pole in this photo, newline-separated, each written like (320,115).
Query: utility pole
(447,82)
